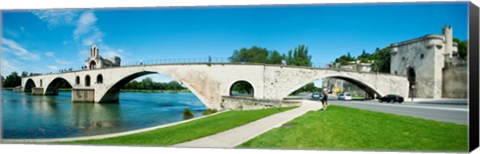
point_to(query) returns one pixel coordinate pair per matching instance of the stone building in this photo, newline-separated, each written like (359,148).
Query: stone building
(96,61)
(357,66)
(430,62)
(335,86)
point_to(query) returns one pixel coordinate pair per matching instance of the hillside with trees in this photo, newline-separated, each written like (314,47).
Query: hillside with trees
(380,58)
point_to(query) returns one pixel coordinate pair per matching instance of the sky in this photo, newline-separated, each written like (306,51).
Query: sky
(49,40)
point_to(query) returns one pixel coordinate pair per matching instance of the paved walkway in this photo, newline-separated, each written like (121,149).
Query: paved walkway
(234,137)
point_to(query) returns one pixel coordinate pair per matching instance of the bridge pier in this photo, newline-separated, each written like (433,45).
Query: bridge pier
(83,95)
(37,91)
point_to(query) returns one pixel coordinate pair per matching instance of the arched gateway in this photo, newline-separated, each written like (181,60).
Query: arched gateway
(209,82)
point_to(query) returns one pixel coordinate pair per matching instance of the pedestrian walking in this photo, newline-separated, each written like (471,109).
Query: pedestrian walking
(324,100)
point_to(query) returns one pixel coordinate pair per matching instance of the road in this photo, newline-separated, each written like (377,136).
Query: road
(442,111)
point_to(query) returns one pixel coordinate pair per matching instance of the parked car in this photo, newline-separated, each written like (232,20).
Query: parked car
(316,95)
(345,96)
(391,98)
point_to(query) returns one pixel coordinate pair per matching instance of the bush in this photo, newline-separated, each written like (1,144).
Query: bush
(209,111)
(188,114)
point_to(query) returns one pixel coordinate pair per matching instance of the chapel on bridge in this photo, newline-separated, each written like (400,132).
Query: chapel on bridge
(96,61)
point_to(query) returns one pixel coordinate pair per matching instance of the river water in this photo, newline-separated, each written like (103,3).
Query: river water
(26,116)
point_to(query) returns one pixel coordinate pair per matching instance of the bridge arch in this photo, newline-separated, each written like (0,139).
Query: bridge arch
(53,86)
(29,85)
(367,87)
(113,91)
(242,86)
(364,85)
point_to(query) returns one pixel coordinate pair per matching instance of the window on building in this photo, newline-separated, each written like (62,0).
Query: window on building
(439,47)
(87,81)
(99,79)
(77,80)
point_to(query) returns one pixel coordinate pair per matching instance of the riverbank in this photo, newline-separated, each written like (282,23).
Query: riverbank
(188,131)
(168,134)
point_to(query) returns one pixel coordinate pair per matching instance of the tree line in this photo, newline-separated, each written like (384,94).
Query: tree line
(14,79)
(149,84)
(380,59)
(298,56)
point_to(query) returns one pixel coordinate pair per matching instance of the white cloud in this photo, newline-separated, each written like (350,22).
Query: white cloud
(57,60)
(85,24)
(8,67)
(11,33)
(63,62)
(94,38)
(85,34)
(108,51)
(16,49)
(57,17)
(50,54)
(52,68)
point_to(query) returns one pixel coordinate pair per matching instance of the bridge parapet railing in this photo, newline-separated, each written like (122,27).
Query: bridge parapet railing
(205,60)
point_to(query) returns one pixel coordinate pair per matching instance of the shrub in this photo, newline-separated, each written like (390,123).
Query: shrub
(188,114)
(209,111)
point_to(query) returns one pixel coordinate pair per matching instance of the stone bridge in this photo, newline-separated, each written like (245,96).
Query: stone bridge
(209,82)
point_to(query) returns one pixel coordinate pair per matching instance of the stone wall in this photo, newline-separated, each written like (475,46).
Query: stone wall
(424,56)
(455,82)
(248,103)
(83,95)
(37,91)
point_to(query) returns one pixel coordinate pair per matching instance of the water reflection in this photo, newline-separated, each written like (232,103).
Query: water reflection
(95,116)
(29,116)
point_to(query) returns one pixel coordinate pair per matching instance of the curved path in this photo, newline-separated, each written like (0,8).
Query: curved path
(234,137)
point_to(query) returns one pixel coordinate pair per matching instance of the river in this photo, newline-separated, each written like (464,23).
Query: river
(26,116)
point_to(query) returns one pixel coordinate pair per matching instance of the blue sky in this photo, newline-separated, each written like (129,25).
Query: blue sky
(49,40)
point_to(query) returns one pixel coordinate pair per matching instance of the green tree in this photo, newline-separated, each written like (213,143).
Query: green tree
(12,80)
(147,84)
(275,58)
(364,57)
(253,55)
(299,56)
(344,59)
(308,88)
(381,59)
(462,48)
(24,74)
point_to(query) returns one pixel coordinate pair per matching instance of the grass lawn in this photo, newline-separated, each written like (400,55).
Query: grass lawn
(188,131)
(343,128)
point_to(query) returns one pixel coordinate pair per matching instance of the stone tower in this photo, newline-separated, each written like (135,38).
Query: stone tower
(422,60)
(447,31)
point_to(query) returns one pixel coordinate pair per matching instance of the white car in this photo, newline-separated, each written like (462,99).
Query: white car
(345,96)
(316,95)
